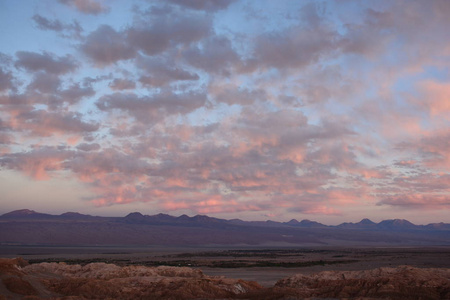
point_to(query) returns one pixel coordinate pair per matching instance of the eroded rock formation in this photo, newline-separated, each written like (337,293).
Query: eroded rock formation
(403,282)
(107,281)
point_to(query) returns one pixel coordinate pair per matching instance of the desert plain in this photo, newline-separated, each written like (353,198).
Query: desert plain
(213,272)
(265,265)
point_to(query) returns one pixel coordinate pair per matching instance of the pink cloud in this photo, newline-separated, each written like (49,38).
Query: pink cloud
(44,123)
(38,164)
(150,109)
(91,7)
(209,204)
(322,210)
(327,109)
(432,147)
(435,98)
(418,201)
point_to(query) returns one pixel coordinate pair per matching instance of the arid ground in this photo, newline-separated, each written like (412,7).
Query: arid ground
(263,265)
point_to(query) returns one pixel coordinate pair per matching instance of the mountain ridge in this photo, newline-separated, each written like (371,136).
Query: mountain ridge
(30,227)
(138,216)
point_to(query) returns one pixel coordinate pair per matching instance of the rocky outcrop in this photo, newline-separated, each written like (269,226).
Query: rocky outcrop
(107,281)
(403,282)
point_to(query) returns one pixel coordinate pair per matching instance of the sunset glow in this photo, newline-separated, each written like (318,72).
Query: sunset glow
(325,110)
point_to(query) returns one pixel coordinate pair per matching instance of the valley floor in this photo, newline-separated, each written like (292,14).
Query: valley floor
(263,265)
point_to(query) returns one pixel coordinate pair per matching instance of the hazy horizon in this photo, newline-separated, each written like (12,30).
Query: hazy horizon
(331,111)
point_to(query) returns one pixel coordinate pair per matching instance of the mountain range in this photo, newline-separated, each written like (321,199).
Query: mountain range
(29,227)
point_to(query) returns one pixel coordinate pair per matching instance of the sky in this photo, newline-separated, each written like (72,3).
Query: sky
(331,111)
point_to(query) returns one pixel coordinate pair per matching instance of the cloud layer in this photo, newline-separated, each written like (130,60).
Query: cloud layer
(234,107)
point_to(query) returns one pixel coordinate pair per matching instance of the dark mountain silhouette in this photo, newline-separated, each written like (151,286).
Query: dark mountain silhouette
(396,224)
(75,216)
(438,226)
(305,223)
(26,214)
(363,224)
(20,212)
(30,227)
(366,222)
(293,222)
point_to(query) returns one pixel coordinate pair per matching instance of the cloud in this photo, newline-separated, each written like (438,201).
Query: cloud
(94,165)
(152,109)
(64,30)
(290,136)
(119,84)
(207,5)
(232,94)
(75,92)
(14,101)
(88,147)
(106,46)
(37,163)
(44,123)
(45,83)
(293,48)
(431,148)
(435,98)
(214,55)
(50,63)
(159,33)
(5,137)
(6,80)
(46,24)
(417,201)
(229,106)
(90,7)
(47,89)
(158,72)
(371,37)
(322,210)
(210,204)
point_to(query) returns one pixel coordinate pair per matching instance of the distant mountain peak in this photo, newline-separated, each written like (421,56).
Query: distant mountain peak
(134,215)
(184,217)
(397,222)
(304,223)
(26,214)
(366,221)
(21,212)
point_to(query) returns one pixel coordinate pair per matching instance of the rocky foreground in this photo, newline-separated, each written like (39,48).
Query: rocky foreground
(19,280)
